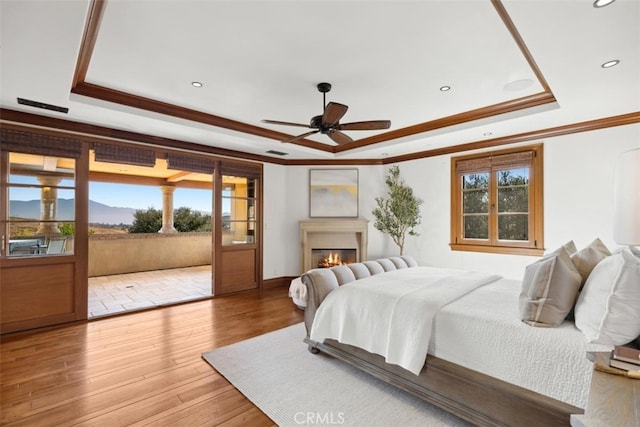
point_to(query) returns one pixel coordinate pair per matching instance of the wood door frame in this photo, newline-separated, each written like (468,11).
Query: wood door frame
(218,249)
(34,270)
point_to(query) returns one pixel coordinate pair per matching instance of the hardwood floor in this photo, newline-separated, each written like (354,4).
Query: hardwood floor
(138,369)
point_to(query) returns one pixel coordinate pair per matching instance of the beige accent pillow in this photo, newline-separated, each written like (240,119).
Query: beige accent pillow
(549,289)
(586,259)
(608,309)
(570,247)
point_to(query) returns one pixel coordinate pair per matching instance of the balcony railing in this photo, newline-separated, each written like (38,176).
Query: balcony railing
(130,253)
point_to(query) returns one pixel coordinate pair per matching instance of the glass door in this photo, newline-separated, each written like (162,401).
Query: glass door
(238,259)
(43,228)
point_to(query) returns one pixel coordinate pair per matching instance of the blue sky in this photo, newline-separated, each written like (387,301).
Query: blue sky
(143,197)
(122,195)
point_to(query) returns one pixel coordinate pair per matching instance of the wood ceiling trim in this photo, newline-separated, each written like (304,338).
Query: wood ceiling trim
(502,12)
(91,133)
(94,19)
(456,119)
(590,125)
(81,87)
(531,101)
(123,98)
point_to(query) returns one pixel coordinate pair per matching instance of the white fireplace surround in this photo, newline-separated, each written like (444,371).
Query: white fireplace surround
(333,234)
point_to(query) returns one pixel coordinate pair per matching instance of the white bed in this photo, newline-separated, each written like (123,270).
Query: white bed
(479,330)
(483,332)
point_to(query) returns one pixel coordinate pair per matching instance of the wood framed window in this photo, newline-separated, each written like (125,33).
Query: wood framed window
(39,193)
(497,201)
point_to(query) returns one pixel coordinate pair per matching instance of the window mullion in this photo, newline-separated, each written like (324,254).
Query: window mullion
(459,209)
(532,212)
(493,208)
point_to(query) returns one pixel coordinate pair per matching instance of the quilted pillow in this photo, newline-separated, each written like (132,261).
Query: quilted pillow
(549,289)
(608,309)
(586,259)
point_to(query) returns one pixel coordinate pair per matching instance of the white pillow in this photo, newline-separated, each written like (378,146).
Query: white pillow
(608,308)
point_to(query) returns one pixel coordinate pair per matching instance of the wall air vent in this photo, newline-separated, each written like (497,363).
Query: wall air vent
(42,105)
(277,153)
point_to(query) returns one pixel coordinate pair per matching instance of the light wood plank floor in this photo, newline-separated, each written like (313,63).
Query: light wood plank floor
(138,369)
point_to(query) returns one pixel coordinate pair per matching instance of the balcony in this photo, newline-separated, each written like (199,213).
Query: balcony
(139,271)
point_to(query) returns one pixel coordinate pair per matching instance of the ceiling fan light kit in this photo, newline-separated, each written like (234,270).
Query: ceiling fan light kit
(328,123)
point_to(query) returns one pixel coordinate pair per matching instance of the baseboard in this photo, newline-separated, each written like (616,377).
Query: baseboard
(277,282)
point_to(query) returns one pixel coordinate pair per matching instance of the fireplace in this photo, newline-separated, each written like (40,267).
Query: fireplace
(325,258)
(320,238)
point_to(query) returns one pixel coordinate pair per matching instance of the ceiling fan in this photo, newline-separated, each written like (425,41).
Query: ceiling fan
(328,123)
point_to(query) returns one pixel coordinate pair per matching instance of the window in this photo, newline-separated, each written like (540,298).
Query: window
(496,202)
(41,205)
(238,210)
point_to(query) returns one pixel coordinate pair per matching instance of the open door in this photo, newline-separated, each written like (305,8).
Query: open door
(238,236)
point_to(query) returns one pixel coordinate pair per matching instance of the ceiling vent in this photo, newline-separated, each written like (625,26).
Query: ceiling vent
(42,105)
(277,153)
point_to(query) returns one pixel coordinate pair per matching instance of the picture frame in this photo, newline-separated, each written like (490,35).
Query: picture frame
(333,193)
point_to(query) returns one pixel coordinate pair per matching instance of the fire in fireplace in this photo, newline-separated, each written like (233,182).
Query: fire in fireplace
(325,258)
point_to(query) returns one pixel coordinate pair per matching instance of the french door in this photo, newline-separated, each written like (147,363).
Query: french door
(237,229)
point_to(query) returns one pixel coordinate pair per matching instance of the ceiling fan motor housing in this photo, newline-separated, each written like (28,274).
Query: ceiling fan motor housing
(316,122)
(324,87)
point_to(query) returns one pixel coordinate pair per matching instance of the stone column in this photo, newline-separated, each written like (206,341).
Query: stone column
(48,206)
(167,209)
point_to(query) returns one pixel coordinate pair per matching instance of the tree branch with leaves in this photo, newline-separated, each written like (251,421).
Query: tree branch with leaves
(399,213)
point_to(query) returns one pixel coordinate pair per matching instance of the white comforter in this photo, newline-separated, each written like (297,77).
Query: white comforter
(391,314)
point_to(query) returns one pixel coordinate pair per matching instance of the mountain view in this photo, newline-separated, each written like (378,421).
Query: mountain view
(98,213)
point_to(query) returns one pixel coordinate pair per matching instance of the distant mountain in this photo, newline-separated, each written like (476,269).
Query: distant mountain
(98,213)
(104,214)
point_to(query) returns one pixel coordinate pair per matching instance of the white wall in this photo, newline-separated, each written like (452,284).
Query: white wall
(578,197)
(275,222)
(286,201)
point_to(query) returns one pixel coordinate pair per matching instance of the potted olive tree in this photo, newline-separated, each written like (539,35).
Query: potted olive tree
(399,213)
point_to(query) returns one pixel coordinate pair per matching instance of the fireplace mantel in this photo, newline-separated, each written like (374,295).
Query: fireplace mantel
(334,233)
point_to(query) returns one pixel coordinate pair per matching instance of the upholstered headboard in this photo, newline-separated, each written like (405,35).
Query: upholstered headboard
(321,281)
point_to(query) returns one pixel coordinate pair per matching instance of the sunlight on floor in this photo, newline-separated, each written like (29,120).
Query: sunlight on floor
(135,291)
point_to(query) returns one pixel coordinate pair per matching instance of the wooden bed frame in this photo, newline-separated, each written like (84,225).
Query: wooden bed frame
(470,395)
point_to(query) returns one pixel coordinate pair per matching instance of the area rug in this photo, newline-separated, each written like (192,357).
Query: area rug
(293,387)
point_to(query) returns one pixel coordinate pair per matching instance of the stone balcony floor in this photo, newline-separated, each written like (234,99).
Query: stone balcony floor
(120,293)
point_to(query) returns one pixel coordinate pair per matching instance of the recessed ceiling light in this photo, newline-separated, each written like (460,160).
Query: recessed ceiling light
(445,88)
(611,63)
(602,3)
(196,84)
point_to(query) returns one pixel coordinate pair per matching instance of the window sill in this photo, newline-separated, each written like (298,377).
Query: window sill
(497,249)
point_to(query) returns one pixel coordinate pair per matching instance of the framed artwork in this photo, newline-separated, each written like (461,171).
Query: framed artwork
(333,193)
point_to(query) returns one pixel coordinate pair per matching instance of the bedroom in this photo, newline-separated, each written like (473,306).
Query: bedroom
(578,166)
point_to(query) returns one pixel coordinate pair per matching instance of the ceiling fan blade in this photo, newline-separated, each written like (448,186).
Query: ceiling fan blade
(277,122)
(339,137)
(333,112)
(368,125)
(304,135)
